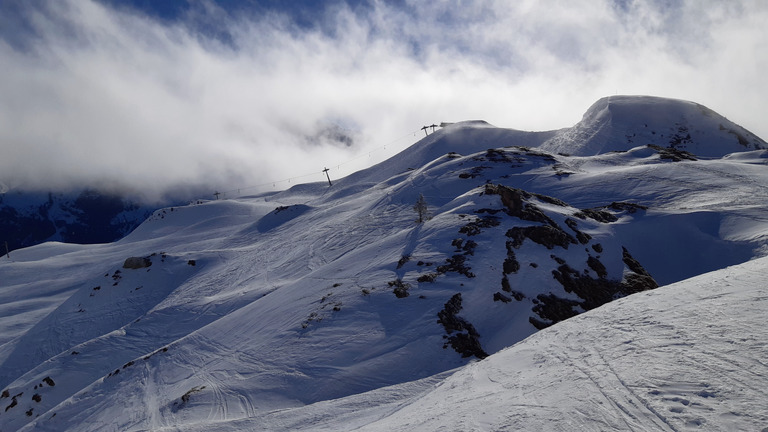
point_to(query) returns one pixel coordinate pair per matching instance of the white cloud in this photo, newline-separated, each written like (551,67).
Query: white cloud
(104,95)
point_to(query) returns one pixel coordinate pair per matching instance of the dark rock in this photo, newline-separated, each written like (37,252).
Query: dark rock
(458,243)
(583,238)
(13,403)
(517,295)
(597,267)
(632,263)
(553,309)
(447,316)
(488,211)
(429,277)
(497,296)
(550,200)
(557,259)
(673,154)
(544,235)
(505,284)
(467,344)
(635,283)
(593,292)
(137,263)
(400,288)
(506,287)
(456,264)
(511,265)
(476,226)
(469,247)
(627,207)
(596,214)
(514,202)
(497,155)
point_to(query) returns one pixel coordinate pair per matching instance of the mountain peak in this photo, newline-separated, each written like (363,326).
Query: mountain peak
(619,123)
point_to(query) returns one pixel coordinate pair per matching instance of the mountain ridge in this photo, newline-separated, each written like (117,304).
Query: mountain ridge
(618,123)
(301,297)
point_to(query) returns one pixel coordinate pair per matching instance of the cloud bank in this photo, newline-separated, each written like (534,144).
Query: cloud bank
(93,95)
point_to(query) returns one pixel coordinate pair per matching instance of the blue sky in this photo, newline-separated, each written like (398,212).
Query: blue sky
(234,93)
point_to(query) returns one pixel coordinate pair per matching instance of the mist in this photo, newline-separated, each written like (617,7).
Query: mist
(220,101)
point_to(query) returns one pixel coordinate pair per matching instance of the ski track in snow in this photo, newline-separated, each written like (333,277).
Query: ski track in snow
(644,363)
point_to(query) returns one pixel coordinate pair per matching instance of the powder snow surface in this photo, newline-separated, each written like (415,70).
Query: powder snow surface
(688,356)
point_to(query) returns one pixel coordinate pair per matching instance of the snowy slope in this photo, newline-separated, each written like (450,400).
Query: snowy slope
(618,123)
(688,356)
(293,299)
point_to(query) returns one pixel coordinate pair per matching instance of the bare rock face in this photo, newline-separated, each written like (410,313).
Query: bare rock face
(465,340)
(584,284)
(137,263)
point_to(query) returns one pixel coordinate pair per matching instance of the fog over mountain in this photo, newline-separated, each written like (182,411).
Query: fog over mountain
(606,276)
(228,95)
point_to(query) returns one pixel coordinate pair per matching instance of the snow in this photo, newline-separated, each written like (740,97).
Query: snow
(277,311)
(686,356)
(615,123)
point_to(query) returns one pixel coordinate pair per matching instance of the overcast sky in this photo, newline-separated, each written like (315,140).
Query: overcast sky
(237,93)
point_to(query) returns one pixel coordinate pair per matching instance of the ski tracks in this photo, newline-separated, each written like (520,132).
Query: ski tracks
(635,412)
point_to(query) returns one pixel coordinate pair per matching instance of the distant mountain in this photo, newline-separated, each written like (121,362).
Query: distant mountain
(231,314)
(85,217)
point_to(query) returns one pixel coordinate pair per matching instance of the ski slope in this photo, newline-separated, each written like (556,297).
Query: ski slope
(330,307)
(687,356)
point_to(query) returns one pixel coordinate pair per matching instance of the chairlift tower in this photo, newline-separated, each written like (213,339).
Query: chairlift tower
(328,176)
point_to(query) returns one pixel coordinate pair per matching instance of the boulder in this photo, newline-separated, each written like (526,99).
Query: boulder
(137,263)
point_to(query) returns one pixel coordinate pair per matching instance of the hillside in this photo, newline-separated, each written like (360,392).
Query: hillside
(239,309)
(663,360)
(617,123)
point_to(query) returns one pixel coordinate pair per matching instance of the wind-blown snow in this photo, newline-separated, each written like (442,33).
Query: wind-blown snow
(279,311)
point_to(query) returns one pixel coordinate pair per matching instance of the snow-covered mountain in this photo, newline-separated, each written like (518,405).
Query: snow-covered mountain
(296,309)
(89,216)
(618,123)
